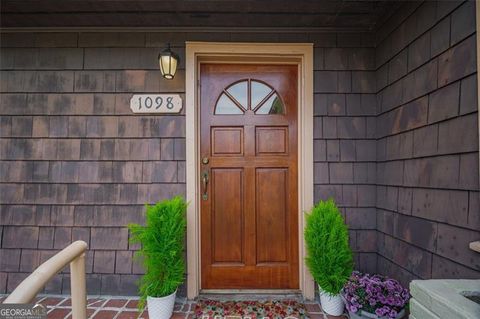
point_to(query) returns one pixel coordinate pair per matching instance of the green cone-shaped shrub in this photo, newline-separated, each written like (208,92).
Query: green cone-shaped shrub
(162,248)
(329,257)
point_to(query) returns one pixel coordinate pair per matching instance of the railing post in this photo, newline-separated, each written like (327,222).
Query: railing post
(77,288)
(33,284)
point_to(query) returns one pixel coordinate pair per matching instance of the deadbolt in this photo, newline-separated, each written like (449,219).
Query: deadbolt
(205,160)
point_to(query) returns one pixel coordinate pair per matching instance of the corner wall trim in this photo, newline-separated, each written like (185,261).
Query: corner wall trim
(477,18)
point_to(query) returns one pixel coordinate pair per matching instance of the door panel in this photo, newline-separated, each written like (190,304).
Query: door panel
(272,140)
(271,207)
(227,141)
(227,212)
(249,206)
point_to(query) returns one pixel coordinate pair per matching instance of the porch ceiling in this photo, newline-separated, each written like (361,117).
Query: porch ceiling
(342,14)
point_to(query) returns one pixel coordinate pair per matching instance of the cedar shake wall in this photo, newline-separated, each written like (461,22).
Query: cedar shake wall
(75,163)
(395,143)
(427,147)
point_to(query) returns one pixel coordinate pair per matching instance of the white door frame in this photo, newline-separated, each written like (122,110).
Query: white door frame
(272,53)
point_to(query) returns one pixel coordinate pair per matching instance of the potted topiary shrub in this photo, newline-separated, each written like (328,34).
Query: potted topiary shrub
(329,257)
(162,254)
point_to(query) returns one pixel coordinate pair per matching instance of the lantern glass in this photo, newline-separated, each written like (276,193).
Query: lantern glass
(168,62)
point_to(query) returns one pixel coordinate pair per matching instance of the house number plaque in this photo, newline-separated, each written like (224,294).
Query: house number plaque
(156,103)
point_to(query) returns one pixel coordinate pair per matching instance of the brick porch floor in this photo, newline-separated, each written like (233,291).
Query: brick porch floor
(59,307)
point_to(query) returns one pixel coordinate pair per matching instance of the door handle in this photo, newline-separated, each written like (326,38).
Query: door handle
(205,185)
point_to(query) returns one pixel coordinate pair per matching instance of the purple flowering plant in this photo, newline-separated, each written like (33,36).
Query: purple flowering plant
(375,294)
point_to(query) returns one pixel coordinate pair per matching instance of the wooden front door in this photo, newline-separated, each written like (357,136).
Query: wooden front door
(248,165)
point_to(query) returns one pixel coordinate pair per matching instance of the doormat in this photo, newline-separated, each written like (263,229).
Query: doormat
(269,309)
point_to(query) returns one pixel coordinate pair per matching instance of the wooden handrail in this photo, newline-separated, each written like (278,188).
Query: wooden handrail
(74,254)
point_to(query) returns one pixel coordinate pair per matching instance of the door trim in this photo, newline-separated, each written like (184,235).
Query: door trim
(300,54)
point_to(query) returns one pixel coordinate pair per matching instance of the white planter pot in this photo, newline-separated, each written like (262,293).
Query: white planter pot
(161,308)
(332,305)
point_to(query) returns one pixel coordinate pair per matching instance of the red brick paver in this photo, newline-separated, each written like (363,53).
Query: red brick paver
(128,315)
(132,304)
(66,303)
(51,301)
(58,313)
(116,303)
(96,302)
(105,314)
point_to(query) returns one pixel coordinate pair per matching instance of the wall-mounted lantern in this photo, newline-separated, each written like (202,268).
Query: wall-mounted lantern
(168,61)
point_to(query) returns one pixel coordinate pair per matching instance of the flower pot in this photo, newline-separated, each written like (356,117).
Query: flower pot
(332,305)
(363,314)
(162,307)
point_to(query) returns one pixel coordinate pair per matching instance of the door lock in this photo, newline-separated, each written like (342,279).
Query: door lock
(205,160)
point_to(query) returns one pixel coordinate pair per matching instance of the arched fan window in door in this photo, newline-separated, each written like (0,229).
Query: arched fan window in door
(245,95)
